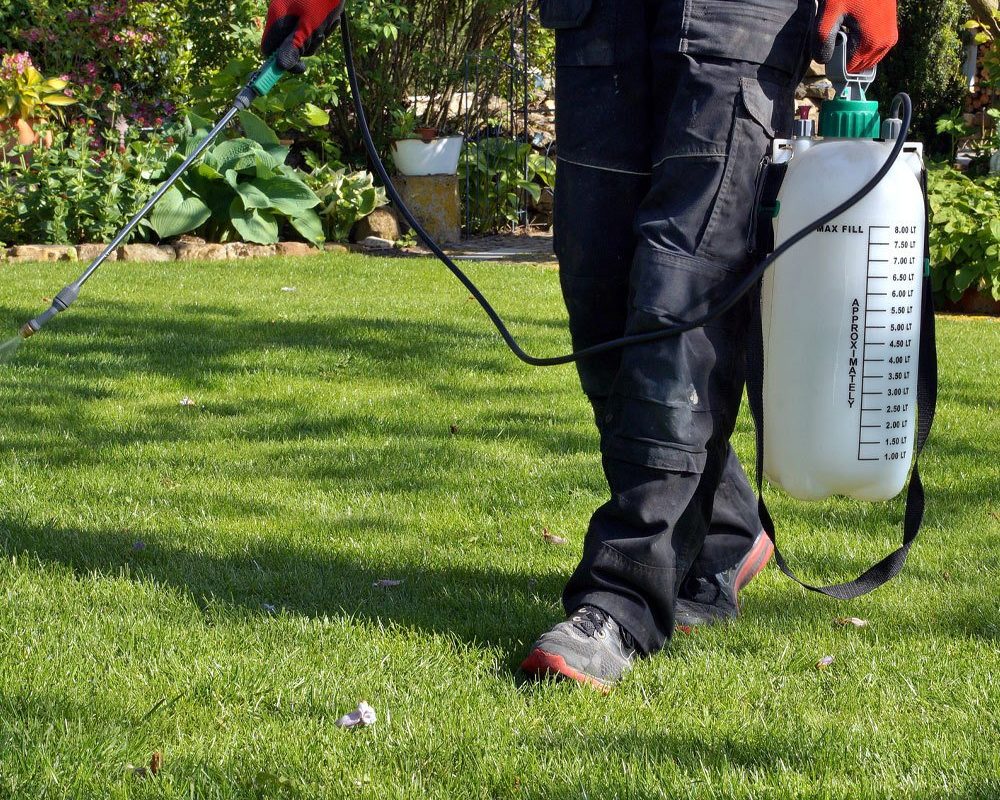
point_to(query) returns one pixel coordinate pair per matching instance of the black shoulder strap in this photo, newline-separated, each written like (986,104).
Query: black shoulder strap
(891,565)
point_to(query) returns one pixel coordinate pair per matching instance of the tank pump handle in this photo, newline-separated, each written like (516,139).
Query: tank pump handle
(848,85)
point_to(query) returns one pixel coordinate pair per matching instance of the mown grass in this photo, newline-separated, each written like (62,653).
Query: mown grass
(370,426)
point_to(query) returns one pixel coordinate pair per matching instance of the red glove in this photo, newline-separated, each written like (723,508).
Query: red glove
(296,28)
(871,31)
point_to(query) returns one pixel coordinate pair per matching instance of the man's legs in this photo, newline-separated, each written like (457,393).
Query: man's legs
(604,174)
(666,421)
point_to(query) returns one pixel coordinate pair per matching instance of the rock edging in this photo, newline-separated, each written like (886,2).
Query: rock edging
(183,250)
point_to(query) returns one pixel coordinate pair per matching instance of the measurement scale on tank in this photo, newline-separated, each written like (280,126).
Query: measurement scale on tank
(890,329)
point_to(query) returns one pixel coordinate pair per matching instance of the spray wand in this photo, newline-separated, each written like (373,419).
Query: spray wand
(259,84)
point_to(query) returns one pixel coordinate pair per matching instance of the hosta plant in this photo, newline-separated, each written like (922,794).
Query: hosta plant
(240,190)
(345,197)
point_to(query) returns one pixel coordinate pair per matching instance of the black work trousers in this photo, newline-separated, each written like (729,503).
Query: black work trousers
(664,109)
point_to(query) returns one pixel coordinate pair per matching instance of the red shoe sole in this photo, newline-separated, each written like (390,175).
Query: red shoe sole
(756,560)
(539,663)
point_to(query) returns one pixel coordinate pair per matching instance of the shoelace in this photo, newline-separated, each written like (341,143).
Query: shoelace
(590,621)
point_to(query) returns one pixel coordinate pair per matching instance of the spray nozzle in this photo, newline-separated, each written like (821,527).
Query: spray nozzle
(60,302)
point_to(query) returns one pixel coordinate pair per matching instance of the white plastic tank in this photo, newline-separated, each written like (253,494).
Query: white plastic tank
(841,324)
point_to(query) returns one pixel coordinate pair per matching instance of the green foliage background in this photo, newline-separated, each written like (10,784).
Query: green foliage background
(926,64)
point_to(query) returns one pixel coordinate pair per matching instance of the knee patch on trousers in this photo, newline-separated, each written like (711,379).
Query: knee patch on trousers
(673,397)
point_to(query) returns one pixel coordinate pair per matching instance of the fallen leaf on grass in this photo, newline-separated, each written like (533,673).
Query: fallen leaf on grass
(362,716)
(155,765)
(187,402)
(551,538)
(454,429)
(843,622)
(824,662)
(386,583)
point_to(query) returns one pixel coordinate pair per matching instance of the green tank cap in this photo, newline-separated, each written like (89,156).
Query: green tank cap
(850,119)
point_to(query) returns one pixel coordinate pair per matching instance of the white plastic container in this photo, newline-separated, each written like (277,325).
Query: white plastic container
(437,157)
(841,322)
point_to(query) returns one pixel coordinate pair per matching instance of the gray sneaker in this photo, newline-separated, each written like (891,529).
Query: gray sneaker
(589,648)
(706,601)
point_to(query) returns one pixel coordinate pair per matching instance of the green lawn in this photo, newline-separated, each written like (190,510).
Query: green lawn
(198,580)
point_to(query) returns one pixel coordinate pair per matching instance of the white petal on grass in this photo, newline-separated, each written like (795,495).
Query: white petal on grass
(361,717)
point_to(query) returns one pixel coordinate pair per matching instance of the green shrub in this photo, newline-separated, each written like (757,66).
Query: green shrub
(77,190)
(965,232)
(345,197)
(499,173)
(241,189)
(926,64)
(222,30)
(293,109)
(142,46)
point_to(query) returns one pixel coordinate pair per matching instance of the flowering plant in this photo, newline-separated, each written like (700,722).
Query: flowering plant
(25,93)
(141,46)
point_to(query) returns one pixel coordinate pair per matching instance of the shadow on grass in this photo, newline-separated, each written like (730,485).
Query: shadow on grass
(483,606)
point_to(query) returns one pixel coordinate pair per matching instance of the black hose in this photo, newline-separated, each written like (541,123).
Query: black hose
(742,289)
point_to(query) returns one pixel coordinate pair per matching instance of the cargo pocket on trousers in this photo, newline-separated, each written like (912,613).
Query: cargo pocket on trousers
(585,31)
(728,227)
(672,396)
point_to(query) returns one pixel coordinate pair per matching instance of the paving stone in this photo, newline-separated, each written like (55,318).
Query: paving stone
(296,249)
(247,250)
(192,251)
(376,243)
(88,252)
(43,252)
(146,252)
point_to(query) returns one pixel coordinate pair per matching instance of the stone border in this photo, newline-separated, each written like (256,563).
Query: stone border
(494,248)
(178,251)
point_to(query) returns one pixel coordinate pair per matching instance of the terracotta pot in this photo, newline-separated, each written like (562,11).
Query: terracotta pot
(427,134)
(25,133)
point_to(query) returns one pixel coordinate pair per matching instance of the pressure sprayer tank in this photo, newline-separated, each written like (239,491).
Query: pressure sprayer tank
(841,315)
